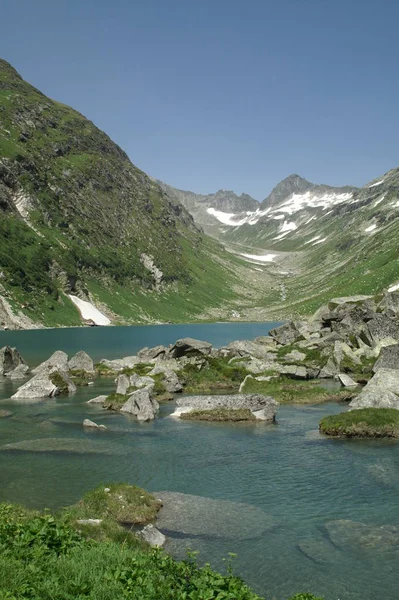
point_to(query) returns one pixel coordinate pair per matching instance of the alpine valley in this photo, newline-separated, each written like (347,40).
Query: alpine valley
(85,236)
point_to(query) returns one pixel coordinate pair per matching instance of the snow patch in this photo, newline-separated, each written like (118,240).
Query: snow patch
(313,239)
(377,202)
(262,258)
(288,226)
(371,227)
(377,183)
(277,217)
(319,241)
(281,236)
(89,312)
(393,288)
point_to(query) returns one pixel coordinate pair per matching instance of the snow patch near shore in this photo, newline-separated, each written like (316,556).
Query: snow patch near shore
(393,288)
(89,312)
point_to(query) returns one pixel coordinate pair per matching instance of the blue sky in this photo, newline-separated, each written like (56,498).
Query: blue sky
(232,94)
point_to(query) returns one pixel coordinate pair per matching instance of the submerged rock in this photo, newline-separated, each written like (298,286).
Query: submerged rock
(5,413)
(352,535)
(97,400)
(60,445)
(206,517)
(91,424)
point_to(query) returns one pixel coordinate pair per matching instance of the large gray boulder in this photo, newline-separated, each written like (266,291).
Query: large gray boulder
(375,398)
(286,334)
(58,360)
(118,364)
(141,405)
(389,305)
(122,384)
(263,407)
(82,362)
(382,391)
(148,354)
(382,327)
(190,347)
(388,359)
(170,380)
(46,384)
(10,359)
(249,348)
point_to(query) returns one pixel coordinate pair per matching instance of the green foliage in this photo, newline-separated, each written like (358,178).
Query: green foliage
(213,374)
(364,422)
(61,383)
(286,390)
(219,414)
(115,401)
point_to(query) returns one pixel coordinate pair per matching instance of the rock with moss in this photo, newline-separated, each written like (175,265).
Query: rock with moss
(168,378)
(46,384)
(263,408)
(58,360)
(388,358)
(141,405)
(362,423)
(82,363)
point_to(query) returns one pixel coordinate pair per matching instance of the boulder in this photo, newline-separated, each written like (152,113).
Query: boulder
(46,384)
(190,347)
(141,405)
(140,381)
(128,362)
(170,380)
(352,535)
(375,399)
(19,372)
(286,334)
(255,365)
(97,400)
(152,536)
(382,327)
(389,305)
(292,371)
(122,384)
(82,362)
(147,354)
(58,360)
(253,402)
(346,381)
(249,348)
(92,425)
(382,391)
(10,359)
(294,356)
(388,359)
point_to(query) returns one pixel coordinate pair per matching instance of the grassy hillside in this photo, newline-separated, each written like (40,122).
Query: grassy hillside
(77,217)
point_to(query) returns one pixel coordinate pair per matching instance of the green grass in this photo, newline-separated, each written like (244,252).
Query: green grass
(289,391)
(219,414)
(115,401)
(44,558)
(215,374)
(364,422)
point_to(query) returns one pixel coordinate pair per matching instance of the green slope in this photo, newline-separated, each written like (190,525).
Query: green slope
(77,216)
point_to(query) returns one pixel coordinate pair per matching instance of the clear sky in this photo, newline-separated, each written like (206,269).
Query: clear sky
(232,94)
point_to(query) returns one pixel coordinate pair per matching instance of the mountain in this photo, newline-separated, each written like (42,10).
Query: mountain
(79,220)
(204,207)
(294,184)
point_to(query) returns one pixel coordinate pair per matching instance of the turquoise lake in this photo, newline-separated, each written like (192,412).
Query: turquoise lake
(311,509)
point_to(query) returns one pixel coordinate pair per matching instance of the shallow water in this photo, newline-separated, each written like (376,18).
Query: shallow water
(289,483)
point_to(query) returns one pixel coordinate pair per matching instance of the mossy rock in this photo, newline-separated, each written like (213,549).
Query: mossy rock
(219,414)
(363,423)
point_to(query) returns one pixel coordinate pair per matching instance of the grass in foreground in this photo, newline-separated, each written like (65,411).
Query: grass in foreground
(220,414)
(364,422)
(44,558)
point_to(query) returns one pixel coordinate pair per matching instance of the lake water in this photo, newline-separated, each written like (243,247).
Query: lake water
(290,492)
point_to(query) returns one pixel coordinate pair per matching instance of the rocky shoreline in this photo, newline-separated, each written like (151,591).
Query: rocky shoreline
(352,341)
